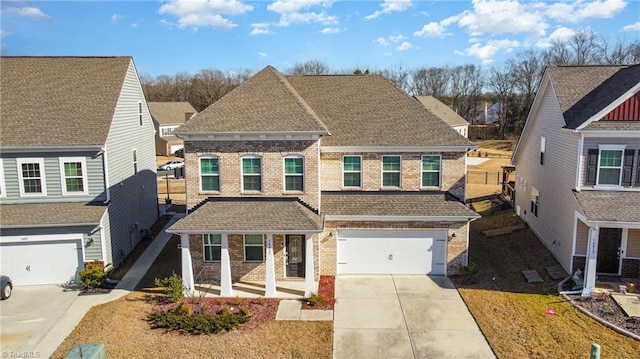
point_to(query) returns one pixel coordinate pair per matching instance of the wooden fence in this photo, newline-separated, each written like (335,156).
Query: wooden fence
(483,177)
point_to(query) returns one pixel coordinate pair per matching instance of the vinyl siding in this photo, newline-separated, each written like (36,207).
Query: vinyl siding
(582,238)
(133,205)
(53,179)
(593,142)
(633,244)
(554,181)
(106,224)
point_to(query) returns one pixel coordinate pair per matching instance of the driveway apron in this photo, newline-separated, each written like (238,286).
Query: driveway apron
(404,316)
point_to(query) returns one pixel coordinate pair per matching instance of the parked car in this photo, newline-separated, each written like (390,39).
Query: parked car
(6,285)
(169,165)
(179,153)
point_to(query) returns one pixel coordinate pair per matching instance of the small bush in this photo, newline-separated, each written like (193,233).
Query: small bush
(179,319)
(469,272)
(172,287)
(92,276)
(314,300)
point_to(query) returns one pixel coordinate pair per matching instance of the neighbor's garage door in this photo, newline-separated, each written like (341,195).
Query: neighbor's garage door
(391,252)
(40,262)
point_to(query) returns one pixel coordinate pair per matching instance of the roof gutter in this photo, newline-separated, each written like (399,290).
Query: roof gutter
(105,171)
(54,225)
(356,218)
(24,149)
(243,231)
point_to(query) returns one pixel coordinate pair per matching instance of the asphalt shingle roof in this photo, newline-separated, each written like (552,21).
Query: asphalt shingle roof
(414,204)
(442,111)
(59,101)
(170,113)
(16,215)
(583,91)
(250,214)
(263,103)
(614,206)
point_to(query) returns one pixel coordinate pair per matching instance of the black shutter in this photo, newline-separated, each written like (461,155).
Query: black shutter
(638,171)
(592,167)
(627,167)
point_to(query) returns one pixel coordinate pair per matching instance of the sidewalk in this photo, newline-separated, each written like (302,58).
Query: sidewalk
(48,345)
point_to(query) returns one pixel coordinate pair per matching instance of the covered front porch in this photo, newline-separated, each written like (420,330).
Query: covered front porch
(249,247)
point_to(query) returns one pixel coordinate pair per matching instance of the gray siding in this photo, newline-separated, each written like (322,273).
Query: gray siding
(106,224)
(632,143)
(582,238)
(554,180)
(133,205)
(53,178)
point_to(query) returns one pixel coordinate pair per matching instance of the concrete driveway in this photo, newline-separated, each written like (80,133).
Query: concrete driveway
(28,316)
(402,316)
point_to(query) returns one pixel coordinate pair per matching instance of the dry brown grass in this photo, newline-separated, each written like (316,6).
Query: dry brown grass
(177,191)
(511,312)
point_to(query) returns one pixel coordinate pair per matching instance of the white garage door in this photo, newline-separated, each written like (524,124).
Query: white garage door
(174,148)
(391,252)
(40,262)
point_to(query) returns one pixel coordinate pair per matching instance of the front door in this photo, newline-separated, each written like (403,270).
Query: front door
(609,250)
(295,255)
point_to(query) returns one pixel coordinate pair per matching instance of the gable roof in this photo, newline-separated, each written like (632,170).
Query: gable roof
(610,206)
(170,113)
(442,111)
(59,101)
(583,91)
(264,103)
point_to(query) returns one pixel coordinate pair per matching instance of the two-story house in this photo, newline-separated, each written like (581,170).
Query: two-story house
(167,116)
(578,169)
(77,165)
(289,177)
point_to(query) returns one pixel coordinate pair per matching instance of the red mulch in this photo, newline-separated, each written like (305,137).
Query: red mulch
(262,310)
(326,290)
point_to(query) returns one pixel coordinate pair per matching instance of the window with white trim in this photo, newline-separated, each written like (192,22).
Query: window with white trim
(253,248)
(252,174)
(212,247)
(135,161)
(431,170)
(31,177)
(391,171)
(73,176)
(209,174)
(543,145)
(167,130)
(535,201)
(140,112)
(352,171)
(610,161)
(294,174)
(3,190)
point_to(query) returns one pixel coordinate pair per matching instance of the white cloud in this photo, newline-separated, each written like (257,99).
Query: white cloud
(115,18)
(134,25)
(169,25)
(632,27)
(262,55)
(404,46)
(432,29)
(500,17)
(261,28)
(29,11)
(489,50)
(560,34)
(579,10)
(390,39)
(381,41)
(294,12)
(396,38)
(331,30)
(389,6)
(196,13)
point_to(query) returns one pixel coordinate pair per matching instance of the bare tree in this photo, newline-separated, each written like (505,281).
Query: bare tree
(586,50)
(502,83)
(620,53)
(465,89)
(432,81)
(398,75)
(311,67)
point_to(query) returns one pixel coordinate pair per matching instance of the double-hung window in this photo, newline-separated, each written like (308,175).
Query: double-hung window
(209,174)
(134,155)
(212,247)
(543,147)
(253,248)
(3,190)
(294,174)
(31,177)
(391,171)
(252,174)
(140,112)
(352,171)
(609,166)
(535,201)
(431,170)
(73,175)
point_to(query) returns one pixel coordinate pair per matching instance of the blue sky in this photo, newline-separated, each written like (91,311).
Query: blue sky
(170,36)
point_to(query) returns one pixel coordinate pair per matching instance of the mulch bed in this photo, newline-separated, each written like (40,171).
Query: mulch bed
(603,306)
(326,290)
(262,310)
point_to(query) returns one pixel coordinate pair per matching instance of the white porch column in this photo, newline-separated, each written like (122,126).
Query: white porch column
(590,266)
(270,275)
(225,268)
(187,266)
(309,274)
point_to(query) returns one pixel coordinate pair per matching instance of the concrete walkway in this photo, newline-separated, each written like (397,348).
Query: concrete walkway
(65,325)
(292,310)
(394,316)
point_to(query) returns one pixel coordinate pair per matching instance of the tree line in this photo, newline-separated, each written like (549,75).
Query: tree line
(464,88)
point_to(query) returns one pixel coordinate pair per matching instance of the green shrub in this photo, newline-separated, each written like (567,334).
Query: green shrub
(469,272)
(172,287)
(179,319)
(92,276)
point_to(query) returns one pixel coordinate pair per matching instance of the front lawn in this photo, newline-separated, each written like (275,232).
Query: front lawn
(523,320)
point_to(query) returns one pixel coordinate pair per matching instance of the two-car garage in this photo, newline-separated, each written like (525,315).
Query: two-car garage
(391,252)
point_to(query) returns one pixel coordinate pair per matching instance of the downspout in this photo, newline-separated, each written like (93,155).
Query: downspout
(105,171)
(580,161)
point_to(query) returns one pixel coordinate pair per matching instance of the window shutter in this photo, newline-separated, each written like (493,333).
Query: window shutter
(592,167)
(627,167)
(638,171)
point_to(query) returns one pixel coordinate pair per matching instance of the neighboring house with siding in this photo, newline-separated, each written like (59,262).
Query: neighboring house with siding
(445,113)
(77,165)
(578,168)
(167,116)
(291,177)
